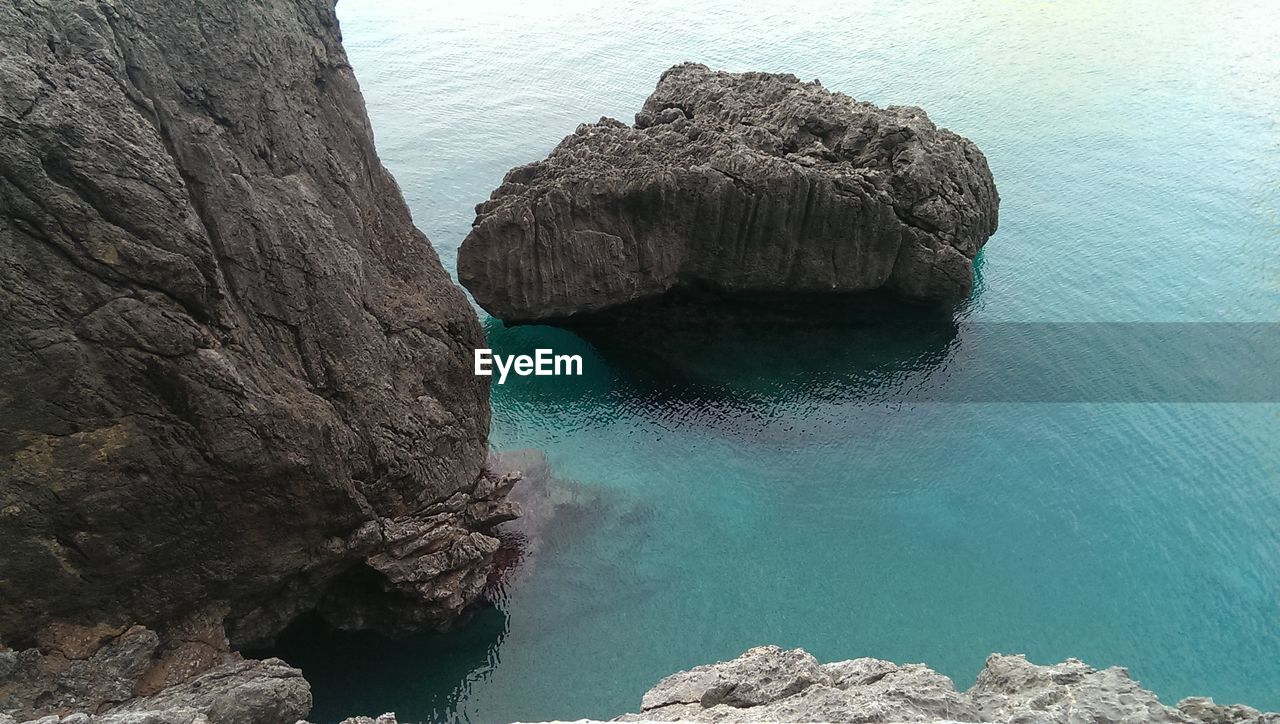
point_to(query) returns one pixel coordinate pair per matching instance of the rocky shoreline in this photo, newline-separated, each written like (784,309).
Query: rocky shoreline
(237,378)
(765,684)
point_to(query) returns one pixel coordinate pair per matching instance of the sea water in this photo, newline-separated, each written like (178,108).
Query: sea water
(767,490)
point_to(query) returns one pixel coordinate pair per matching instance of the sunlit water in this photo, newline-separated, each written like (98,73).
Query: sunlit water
(765,492)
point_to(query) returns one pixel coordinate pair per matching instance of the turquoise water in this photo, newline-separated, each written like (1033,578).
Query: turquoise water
(769,493)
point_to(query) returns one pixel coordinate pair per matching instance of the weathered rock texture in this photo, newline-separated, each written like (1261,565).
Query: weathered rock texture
(743,183)
(772,685)
(234,372)
(104,675)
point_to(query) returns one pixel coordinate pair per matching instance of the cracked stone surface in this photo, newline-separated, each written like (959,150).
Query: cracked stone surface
(770,684)
(234,372)
(131,676)
(742,183)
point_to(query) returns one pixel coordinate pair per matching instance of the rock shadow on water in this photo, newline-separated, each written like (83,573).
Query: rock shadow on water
(749,355)
(422,677)
(704,347)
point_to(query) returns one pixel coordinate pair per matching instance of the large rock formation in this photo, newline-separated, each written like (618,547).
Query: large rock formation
(744,183)
(234,372)
(768,684)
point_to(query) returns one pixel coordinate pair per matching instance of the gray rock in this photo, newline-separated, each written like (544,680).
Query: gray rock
(388,718)
(745,183)
(1203,709)
(68,676)
(244,692)
(133,677)
(884,691)
(234,370)
(769,684)
(167,716)
(760,676)
(1071,691)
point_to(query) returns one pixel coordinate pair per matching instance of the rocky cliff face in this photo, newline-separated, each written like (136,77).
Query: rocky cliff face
(234,372)
(769,684)
(745,183)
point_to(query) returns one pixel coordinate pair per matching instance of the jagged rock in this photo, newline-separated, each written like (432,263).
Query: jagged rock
(100,676)
(244,692)
(883,691)
(759,676)
(1204,710)
(1010,686)
(84,669)
(769,684)
(230,360)
(744,183)
(437,554)
(772,684)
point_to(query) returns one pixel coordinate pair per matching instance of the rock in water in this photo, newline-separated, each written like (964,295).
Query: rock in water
(233,369)
(743,183)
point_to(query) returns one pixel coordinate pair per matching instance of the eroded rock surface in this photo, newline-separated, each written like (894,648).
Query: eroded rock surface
(744,183)
(134,677)
(769,684)
(1070,691)
(234,369)
(235,374)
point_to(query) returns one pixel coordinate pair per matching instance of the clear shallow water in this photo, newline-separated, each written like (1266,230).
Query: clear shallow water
(773,494)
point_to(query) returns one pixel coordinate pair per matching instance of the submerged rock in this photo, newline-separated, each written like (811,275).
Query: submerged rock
(769,684)
(742,183)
